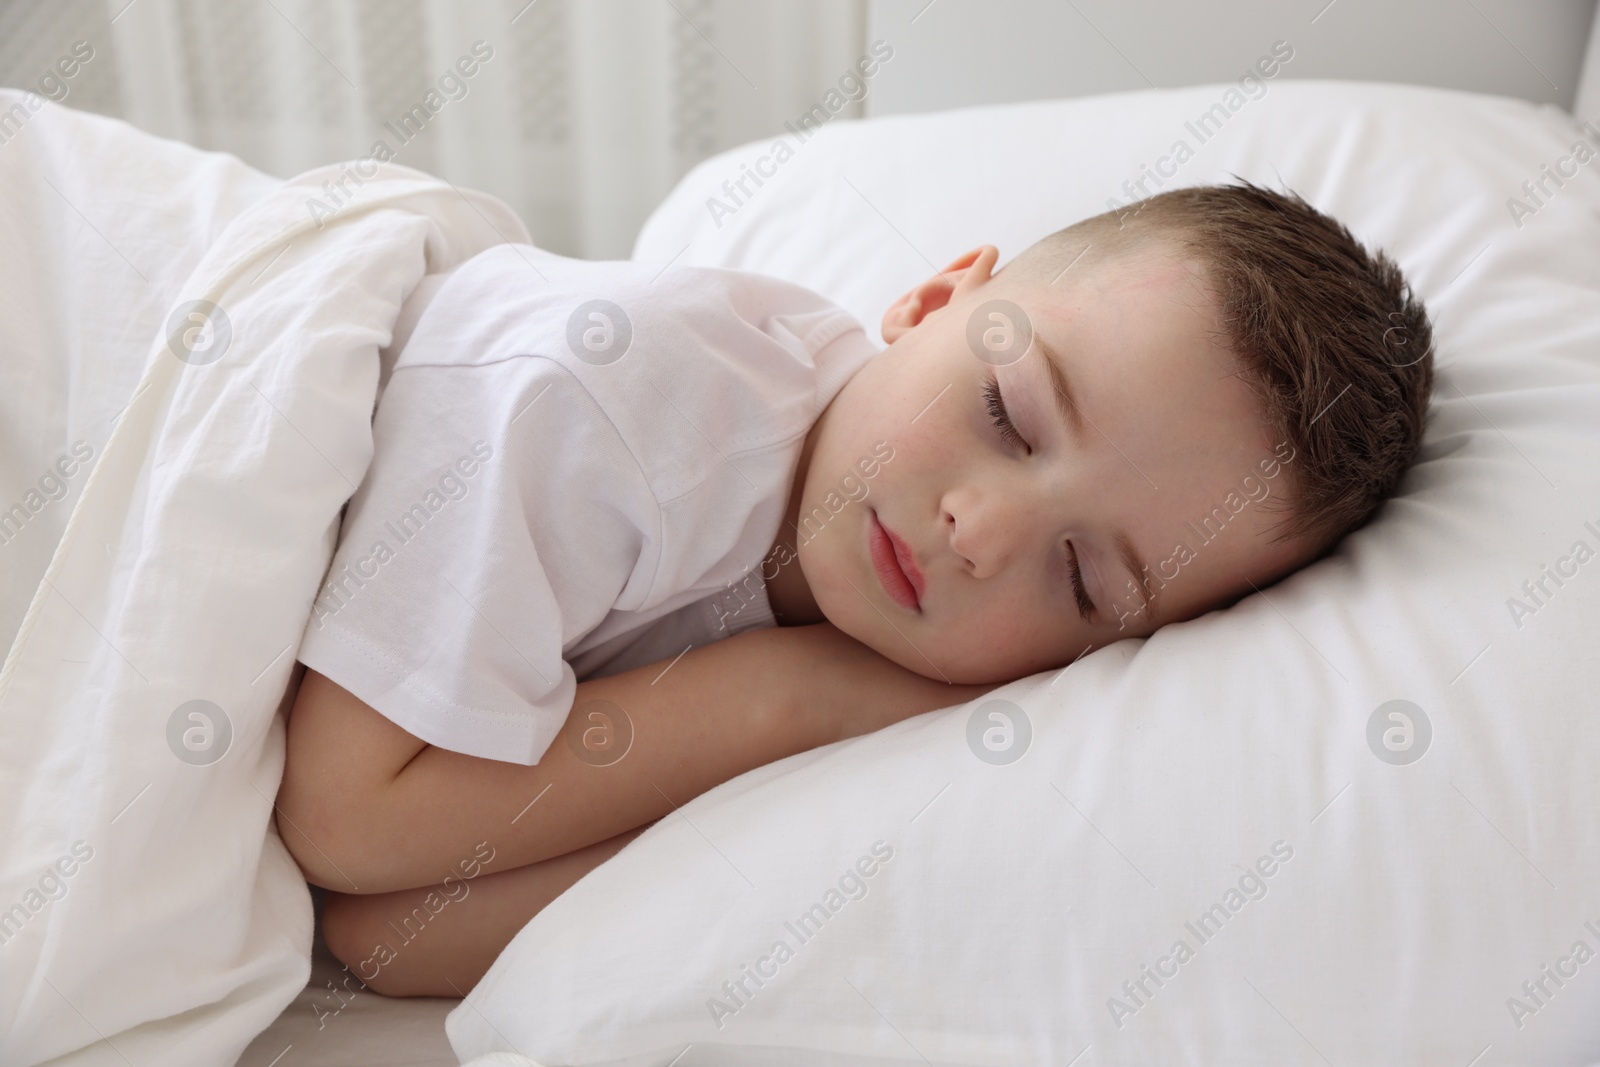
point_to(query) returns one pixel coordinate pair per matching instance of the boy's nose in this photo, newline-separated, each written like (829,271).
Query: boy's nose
(986,532)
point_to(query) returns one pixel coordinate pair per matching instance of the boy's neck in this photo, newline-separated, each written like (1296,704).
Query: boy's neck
(788,591)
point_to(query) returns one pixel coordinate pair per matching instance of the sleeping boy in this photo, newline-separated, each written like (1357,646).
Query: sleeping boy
(629,532)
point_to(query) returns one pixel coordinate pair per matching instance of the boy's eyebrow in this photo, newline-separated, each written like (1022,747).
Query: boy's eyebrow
(1066,401)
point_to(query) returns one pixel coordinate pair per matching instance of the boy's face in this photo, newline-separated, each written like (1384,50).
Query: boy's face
(1169,449)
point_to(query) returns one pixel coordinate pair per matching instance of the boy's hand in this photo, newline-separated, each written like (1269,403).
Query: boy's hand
(846,689)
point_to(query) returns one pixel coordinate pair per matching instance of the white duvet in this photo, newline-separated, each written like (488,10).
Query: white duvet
(180,468)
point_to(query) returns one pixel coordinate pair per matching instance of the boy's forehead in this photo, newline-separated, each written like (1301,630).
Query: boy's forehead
(1149,272)
(1153,315)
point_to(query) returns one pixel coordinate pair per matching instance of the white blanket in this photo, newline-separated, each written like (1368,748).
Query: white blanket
(148,911)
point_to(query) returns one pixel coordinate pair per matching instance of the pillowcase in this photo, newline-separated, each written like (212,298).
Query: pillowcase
(1350,819)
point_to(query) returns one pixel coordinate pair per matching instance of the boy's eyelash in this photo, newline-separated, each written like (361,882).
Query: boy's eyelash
(1008,432)
(1079,593)
(997,411)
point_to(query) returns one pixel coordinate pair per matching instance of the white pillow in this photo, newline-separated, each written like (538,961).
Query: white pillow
(1395,910)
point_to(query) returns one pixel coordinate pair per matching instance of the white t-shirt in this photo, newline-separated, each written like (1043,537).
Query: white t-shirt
(578,468)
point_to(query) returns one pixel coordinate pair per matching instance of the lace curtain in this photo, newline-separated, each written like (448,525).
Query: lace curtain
(581,114)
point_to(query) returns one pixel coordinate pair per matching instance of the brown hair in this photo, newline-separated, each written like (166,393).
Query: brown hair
(1331,337)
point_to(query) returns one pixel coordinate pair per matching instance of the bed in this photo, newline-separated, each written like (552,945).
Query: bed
(1411,900)
(332,1020)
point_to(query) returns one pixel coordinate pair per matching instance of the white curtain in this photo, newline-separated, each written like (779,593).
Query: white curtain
(581,114)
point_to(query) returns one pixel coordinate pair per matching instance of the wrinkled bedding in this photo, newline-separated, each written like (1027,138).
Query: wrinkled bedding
(191,357)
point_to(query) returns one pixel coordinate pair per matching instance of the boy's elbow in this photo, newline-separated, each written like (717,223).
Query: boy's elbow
(320,812)
(316,833)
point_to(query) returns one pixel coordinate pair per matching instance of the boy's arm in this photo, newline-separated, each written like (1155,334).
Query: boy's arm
(469,922)
(366,807)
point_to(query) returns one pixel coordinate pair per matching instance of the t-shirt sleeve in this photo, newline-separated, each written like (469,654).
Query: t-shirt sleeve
(501,518)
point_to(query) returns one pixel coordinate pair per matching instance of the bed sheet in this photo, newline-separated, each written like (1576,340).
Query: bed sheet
(333,1022)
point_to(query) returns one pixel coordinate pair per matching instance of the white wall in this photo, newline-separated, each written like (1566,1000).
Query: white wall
(1588,102)
(952,53)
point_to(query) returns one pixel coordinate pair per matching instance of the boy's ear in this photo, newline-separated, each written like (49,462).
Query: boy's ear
(966,273)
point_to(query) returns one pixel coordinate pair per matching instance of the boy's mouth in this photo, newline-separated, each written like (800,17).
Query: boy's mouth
(896,565)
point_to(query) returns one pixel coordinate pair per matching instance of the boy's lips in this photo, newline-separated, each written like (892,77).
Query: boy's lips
(896,565)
